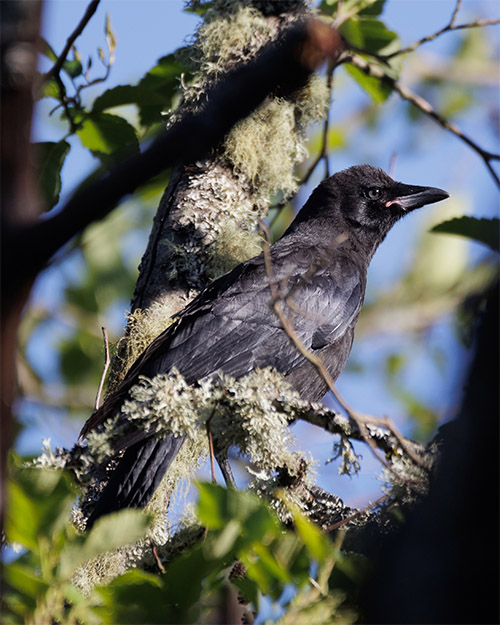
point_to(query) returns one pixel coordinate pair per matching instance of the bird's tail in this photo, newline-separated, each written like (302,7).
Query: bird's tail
(137,476)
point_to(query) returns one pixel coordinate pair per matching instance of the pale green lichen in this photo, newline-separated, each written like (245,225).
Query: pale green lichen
(232,245)
(267,145)
(229,35)
(407,479)
(143,326)
(243,414)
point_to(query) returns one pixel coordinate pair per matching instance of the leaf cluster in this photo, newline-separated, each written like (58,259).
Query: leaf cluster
(38,582)
(243,547)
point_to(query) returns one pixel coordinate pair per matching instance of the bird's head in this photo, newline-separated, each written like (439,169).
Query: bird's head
(371,201)
(364,201)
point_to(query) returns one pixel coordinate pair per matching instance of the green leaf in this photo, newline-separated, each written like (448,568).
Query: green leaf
(25,580)
(483,230)
(212,505)
(316,542)
(163,80)
(265,570)
(378,90)
(219,506)
(375,8)
(135,597)
(49,88)
(46,49)
(376,37)
(22,518)
(351,7)
(370,34)
(107,136)
(225,541)
(72,68)
(77,356)
(109,532)
(49,159)
(39,501)
(127,94)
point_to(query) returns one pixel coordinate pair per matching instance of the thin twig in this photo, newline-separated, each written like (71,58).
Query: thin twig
(323,152)
(448,28)
(56,68)
(362,421)
(211,443)
(157,559)
(107,362)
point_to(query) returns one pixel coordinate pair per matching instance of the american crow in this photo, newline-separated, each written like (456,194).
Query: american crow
(320,262)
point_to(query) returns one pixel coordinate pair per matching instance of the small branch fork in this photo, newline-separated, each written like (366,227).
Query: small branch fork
(448,28)
(426,107)
(54,71)
(376,71)
(56,68)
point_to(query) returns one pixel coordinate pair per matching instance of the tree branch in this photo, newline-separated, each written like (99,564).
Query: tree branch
(370,69)
(448,28)
(323,152)
(56,68)
(285,65)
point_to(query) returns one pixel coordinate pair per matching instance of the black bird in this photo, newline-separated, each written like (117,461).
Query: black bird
(320,262)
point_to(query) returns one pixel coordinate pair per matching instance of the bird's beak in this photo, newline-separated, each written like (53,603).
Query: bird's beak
(411,197)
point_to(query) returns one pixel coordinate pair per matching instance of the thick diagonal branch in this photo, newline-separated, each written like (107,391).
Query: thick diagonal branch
(286,64)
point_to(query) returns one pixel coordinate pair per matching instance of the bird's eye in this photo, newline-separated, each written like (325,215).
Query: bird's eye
(374,193)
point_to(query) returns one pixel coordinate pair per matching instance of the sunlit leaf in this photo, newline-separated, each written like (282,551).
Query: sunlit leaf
(376,89)
(108,136)
(46,49)
(48,89)
(127,94)
(316,542)
(225,541)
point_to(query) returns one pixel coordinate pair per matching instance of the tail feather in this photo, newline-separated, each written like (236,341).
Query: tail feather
(137,476)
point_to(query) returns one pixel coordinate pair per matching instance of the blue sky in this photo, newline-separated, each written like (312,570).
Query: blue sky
(149,29)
